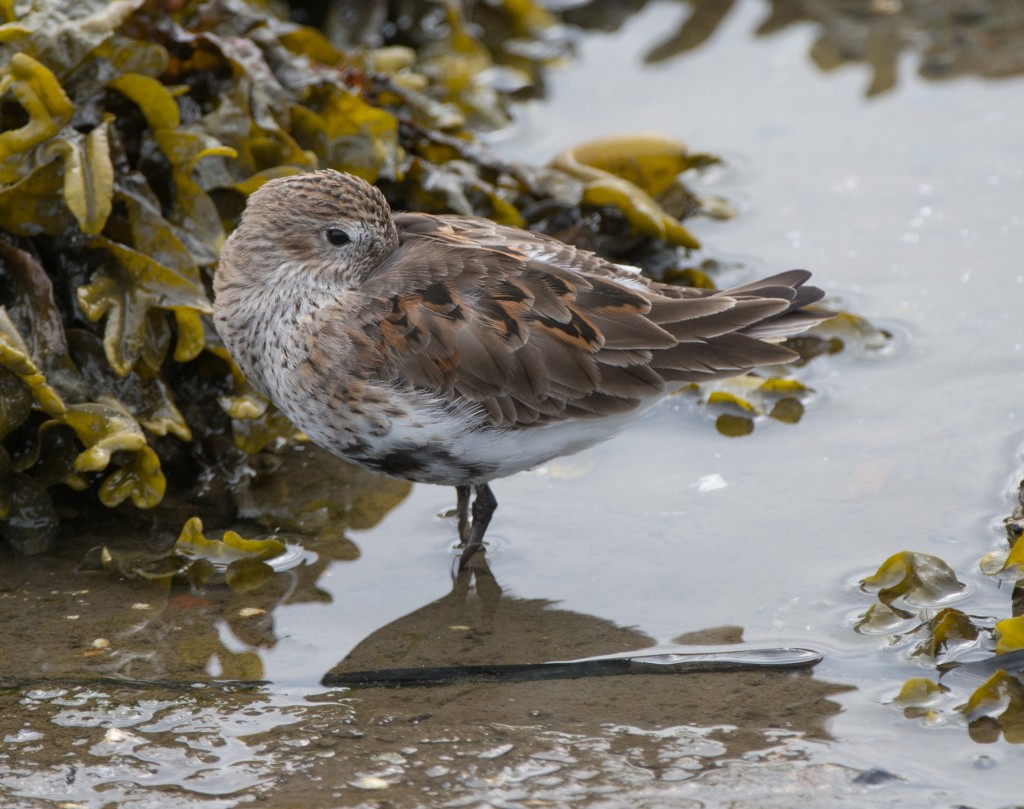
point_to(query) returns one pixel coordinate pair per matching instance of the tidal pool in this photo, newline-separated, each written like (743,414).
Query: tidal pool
(907,205)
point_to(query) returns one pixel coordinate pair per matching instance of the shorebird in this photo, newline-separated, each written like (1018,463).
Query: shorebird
(453,350)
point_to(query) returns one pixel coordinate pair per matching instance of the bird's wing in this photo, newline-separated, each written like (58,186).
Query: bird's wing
(533,330)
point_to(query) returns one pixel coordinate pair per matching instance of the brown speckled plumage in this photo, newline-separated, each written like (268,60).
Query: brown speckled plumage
(453,350)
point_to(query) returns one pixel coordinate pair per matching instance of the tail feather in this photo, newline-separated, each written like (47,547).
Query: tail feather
(795,318)
(726,341)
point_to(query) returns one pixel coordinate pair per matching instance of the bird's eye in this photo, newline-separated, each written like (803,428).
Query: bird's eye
(338,237)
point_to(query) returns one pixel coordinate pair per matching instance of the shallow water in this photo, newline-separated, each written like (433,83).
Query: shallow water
(907,207)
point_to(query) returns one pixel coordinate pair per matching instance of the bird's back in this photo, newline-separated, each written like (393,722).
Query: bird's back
(533,331)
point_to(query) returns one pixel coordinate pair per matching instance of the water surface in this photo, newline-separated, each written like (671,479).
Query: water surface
(906,204)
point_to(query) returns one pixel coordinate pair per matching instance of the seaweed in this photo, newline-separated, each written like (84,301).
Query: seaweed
(978,659)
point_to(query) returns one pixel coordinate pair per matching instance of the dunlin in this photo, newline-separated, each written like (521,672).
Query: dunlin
(452,350)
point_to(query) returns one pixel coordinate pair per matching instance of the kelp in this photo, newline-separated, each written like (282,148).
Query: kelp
(243,564)
(979,659)
(741,401)
(131,133)
(914,580)
(628,172)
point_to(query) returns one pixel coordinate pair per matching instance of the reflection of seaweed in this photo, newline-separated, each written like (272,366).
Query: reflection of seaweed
(953,37)
(182,615)
(694,32)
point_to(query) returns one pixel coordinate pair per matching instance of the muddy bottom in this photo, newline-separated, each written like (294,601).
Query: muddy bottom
(171,735)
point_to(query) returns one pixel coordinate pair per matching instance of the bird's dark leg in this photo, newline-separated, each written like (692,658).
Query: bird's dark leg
(484,505)
(462,511)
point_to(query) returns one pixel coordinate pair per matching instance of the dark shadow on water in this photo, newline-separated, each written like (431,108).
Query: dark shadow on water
(478,624)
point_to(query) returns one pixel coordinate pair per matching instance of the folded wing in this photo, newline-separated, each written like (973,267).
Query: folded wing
(535,331)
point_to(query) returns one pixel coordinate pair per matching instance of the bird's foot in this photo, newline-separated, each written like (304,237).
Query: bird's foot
(472,533)
(462,512)
(468,552)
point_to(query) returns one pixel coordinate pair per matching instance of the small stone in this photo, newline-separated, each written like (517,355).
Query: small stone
(251,612)
(370,782)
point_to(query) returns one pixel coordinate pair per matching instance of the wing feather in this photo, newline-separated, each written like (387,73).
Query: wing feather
(535,331)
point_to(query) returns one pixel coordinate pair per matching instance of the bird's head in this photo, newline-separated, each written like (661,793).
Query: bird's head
(323,227)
